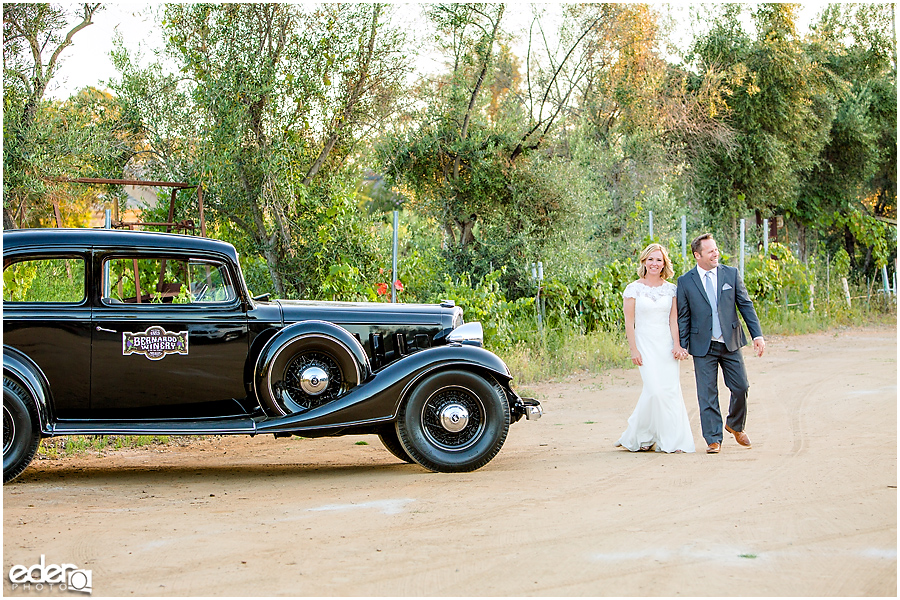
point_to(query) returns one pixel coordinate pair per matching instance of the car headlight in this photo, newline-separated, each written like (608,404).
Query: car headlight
(468,333)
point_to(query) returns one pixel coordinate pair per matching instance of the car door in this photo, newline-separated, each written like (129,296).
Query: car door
(46,316)
(170,337)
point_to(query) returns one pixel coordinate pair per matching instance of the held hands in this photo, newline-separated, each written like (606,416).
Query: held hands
(679,353)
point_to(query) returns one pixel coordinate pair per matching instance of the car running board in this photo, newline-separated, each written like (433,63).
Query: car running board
(180,427)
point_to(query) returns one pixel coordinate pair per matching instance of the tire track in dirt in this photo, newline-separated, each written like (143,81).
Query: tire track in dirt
(558,512)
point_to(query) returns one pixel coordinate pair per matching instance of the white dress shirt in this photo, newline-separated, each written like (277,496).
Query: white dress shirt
(715,280)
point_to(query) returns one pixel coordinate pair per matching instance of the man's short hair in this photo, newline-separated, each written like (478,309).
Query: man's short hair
(695,245)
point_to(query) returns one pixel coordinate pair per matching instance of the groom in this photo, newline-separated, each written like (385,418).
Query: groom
(709,296)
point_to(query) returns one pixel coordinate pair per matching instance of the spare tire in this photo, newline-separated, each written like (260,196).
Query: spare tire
(306,371)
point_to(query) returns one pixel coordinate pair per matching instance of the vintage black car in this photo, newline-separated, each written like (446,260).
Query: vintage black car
(125,332)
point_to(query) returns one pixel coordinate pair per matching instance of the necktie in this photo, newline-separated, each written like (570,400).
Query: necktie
(711,294)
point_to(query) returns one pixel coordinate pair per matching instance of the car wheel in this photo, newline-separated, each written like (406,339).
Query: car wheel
(308,372)
(389,438)
(454,421)
(21,437)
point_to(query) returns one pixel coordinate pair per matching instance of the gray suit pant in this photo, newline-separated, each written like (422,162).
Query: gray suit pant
(706,372)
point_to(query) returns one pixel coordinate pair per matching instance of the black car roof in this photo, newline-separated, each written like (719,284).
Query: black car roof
(84,238)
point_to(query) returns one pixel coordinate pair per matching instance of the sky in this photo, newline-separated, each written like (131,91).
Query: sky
(87,61)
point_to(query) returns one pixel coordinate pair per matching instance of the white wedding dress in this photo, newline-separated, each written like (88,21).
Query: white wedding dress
(660,417)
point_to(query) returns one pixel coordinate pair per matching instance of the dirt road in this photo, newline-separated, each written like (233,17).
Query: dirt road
(810,510)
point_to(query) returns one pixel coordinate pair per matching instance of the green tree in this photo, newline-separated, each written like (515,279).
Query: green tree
(636,125)
(269,103)
(43,140)
(778,105)
(857,169)
(87,135)
(451,157)
(472,157)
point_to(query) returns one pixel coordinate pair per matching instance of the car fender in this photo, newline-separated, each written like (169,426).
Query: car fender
(458,356)
(24,370)
(378,399)
(312,328)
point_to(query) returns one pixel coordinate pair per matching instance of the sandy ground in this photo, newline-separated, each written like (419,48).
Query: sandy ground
(810,510)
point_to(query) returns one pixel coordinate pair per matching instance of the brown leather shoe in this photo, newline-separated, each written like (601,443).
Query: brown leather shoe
(713,448)
(739,436)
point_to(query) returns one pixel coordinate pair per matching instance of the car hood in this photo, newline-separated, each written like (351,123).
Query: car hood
(382,313)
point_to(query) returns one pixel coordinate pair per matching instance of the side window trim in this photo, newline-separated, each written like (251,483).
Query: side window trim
(184,271)
(74,257)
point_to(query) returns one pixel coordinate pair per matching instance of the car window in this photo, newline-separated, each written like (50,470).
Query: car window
(44,279)
(165,280)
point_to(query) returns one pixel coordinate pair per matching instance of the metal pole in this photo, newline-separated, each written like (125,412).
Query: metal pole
(107,224)
(537,300)
(742,247)
(200,208)
(884,278)
(651,224)
(540,273)
(766,237)
(684,236)
(394,269)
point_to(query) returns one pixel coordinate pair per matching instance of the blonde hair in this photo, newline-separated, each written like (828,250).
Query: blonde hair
(667,270)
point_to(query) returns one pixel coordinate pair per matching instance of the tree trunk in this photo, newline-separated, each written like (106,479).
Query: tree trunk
(850,246)
(8,222)
(466,235)
(272,262)
(802,230)
(868,261)
(261,235)
(448,228)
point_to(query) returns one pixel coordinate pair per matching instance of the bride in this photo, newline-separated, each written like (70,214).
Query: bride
(651,326)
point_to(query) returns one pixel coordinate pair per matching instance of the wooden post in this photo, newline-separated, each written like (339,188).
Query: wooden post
(200,207)
(57,214)
(171,210)
(846,289)
(812,296)
(162,265)
(137,281)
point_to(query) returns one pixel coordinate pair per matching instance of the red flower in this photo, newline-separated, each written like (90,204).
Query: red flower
(398,285)
(381,288)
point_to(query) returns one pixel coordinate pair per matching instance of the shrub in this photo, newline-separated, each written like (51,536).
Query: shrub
(778,278)
(504,322)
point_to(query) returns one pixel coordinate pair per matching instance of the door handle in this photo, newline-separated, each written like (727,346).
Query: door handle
(106,330)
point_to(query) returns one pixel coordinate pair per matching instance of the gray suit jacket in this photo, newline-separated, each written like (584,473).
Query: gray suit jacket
(695,312)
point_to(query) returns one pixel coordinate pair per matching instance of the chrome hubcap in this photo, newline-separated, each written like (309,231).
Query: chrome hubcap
(454,418)
(313,380)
